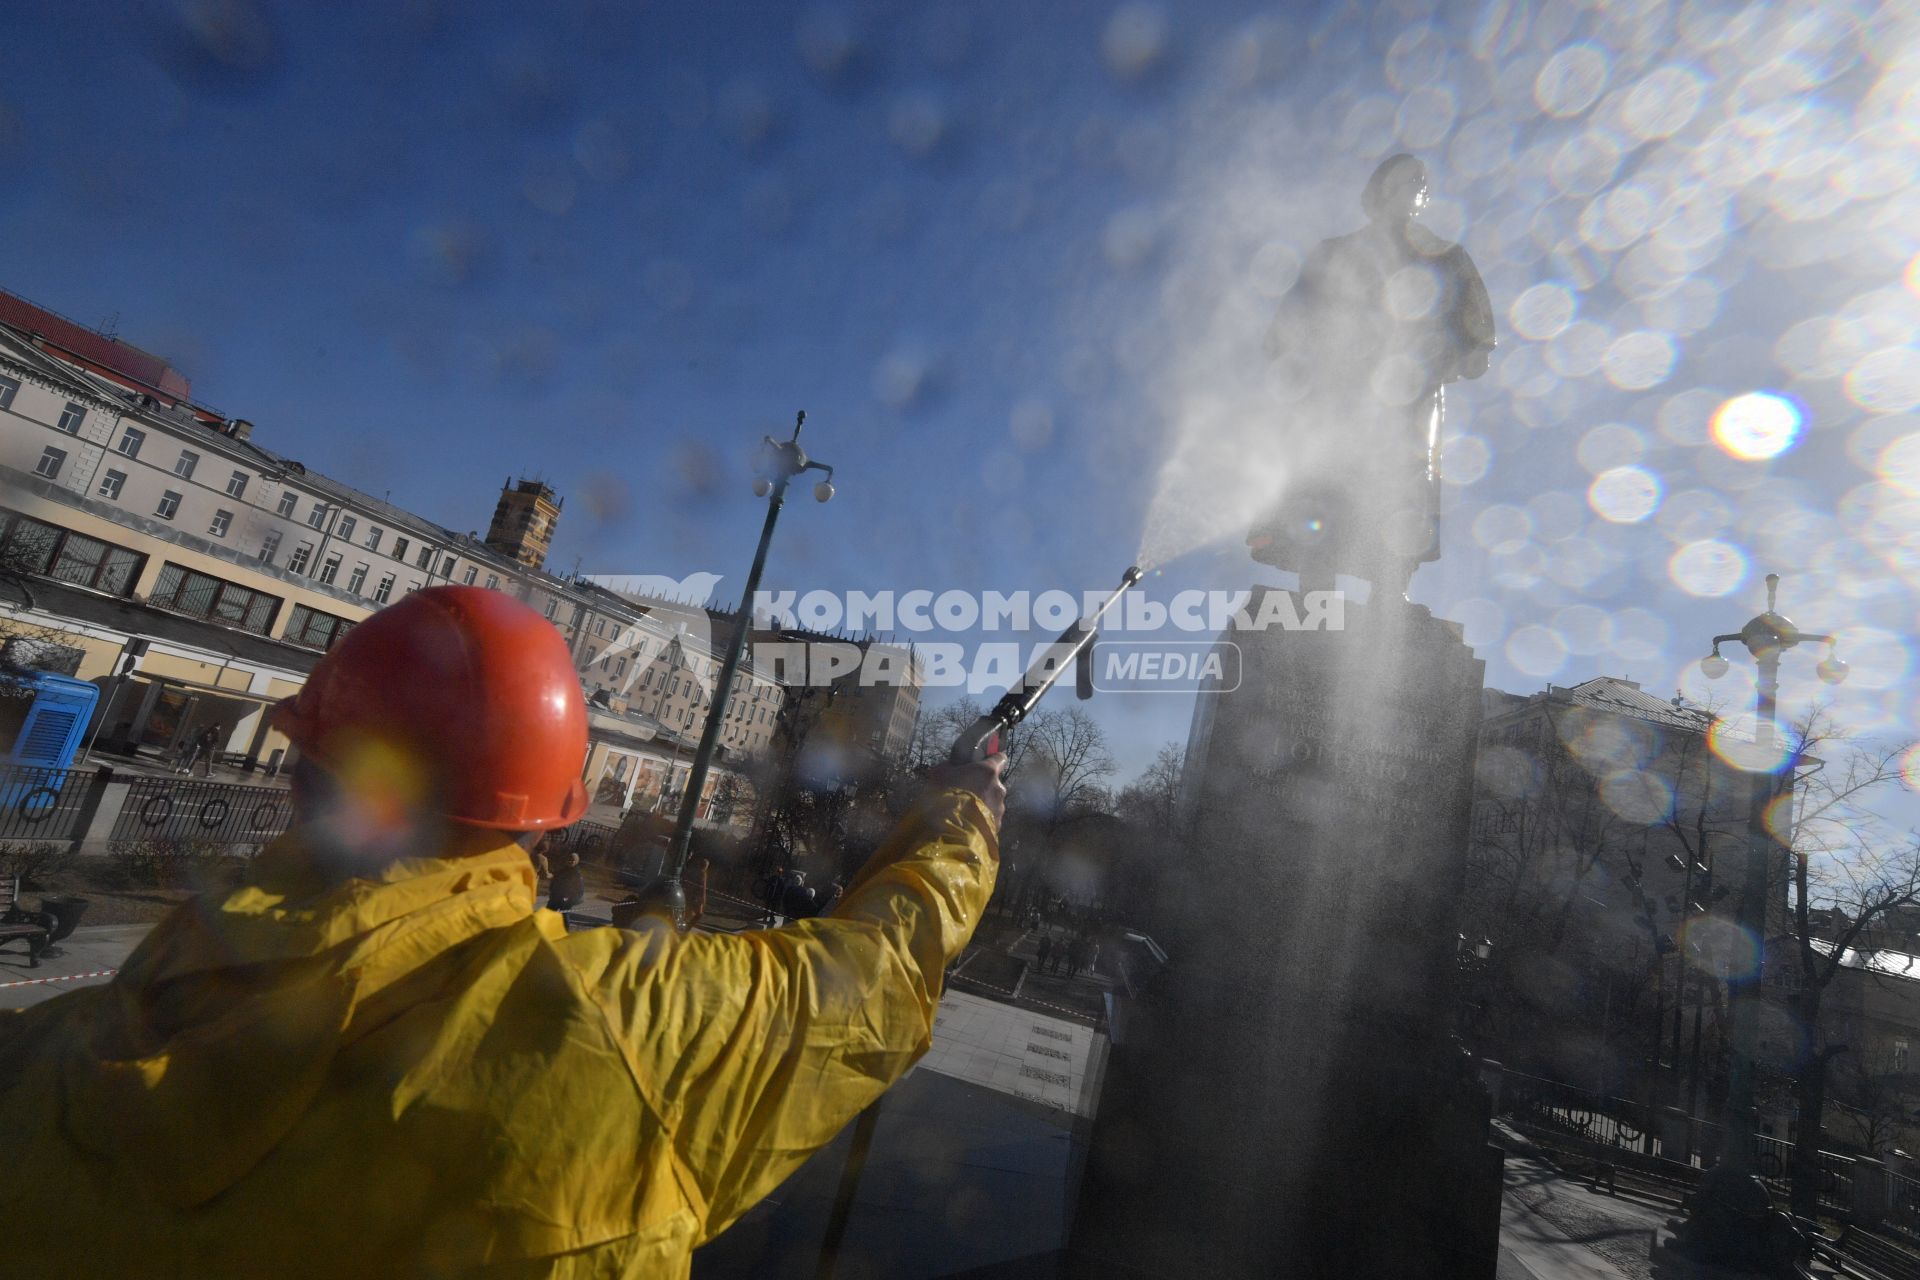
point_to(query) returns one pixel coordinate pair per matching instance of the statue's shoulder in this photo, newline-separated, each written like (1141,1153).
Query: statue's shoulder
(1429,245)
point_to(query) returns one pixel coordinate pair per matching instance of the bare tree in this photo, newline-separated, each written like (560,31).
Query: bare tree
(19,559)
(1152,799)
(935,730)
(1063,756)
(1834,850)
(1871,1092)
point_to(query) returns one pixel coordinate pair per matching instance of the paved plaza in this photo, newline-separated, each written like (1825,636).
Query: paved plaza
(88,957)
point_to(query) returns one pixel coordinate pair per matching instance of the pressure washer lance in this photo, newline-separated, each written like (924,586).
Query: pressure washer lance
(1074,648)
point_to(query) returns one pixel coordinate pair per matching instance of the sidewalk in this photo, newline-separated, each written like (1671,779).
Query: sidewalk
(88,957)
(1555,1228)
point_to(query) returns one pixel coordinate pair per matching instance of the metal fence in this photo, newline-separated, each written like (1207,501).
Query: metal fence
(1773,1161)
(1611,1122)
(1621,1125)
(591,840)
(1903,1205)
(214,812)
(46,804)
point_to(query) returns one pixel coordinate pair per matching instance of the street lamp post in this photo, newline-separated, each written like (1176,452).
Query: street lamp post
(778,463)
(1732,1184)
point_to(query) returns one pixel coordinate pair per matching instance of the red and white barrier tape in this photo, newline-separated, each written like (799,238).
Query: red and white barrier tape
(65,977)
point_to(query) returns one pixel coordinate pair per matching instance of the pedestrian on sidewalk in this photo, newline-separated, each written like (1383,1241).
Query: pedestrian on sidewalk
(1044,951)
(210,748)
(568,885)
(378,1059)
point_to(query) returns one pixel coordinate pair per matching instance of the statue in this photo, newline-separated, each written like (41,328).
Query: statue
(1364,344)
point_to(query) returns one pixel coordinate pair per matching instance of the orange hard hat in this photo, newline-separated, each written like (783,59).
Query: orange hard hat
(465,687)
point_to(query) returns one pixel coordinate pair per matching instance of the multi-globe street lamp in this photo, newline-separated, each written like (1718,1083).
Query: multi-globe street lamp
(778,462)
(1766,637)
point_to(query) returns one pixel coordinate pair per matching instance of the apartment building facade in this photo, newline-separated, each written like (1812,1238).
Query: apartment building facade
(129,511)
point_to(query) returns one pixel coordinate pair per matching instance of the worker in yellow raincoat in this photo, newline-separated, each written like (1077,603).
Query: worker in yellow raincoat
(378,1060)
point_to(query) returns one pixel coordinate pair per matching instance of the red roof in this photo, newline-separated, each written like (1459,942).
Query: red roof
(109,355)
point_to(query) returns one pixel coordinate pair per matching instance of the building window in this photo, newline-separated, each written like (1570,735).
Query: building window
(1899,1057)
(600,626)
(400,550)
(344,531)
(222,521)
(72,416)
(33,546)
(51,460)
(237,485)
(188,461)
(357,579)
(270,547)
(314,629)
(7,388)
(202,595)
(130,441)
(620,667)
(329,570)
(446,568)
(288,501)
(317,516)
(473,571)
(373,537)
(425,559)
(111,482)
(553,607)
(493,582)
(384,591)
(169,503)
(302,554)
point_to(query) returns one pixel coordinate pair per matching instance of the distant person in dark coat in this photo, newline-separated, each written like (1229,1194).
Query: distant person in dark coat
(801,900)
(1045,950)
(568,885)
(204,745)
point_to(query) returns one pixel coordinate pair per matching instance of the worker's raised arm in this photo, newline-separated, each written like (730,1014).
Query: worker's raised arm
(755,1049)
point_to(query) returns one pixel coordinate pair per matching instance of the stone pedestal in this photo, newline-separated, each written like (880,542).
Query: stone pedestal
(1869,1191)
(1289,1099)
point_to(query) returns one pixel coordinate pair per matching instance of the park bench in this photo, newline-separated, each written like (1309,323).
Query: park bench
(1862,1252)
(17,924)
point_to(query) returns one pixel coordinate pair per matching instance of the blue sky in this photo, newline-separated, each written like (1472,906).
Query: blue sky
(1012,259)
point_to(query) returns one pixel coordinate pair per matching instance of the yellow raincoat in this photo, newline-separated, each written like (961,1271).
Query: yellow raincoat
(420,1075)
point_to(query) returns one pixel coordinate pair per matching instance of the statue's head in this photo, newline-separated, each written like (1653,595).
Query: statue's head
(1397,190)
